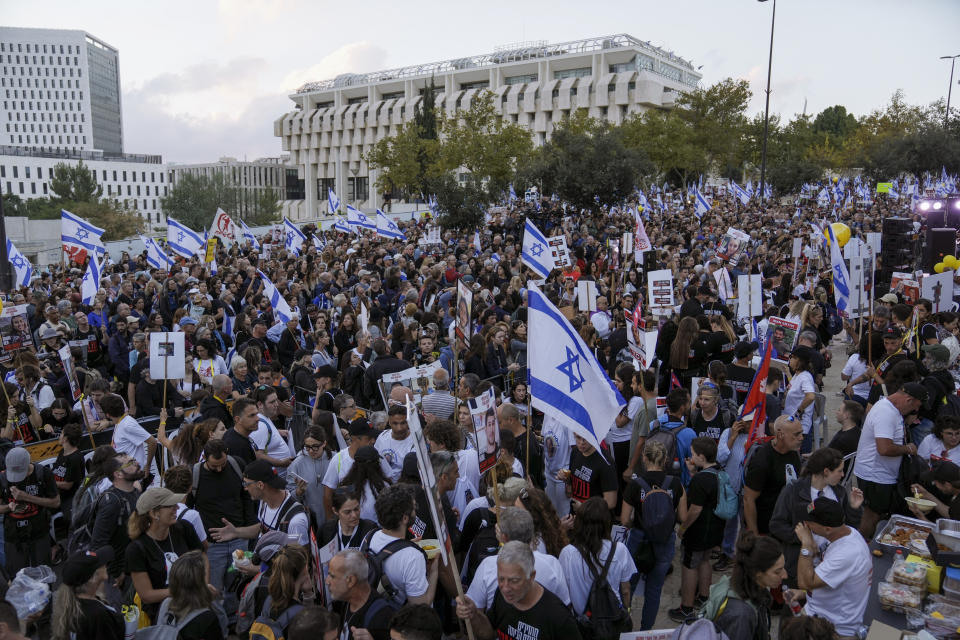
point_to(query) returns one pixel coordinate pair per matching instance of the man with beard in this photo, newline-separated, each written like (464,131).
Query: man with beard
(112,511)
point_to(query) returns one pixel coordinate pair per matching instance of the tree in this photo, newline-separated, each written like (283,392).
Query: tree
(717,116)
(461,205)
(75,183)
(836,122)
(587,159)
(403,161)
(194,199)
(13,205)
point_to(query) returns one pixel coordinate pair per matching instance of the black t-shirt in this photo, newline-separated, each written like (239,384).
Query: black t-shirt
(98,622)
(710,428)
(846,441)
(590,475)
(240,447)
(94,354)
(378,625)
(740,378)
(634,493)
(155,557)
(68,468)
(548,619)
(205,626)
(767,473)
(28,521)
(706,531)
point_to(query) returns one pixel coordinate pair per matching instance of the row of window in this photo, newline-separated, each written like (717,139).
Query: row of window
(64,106)
(46,191)
(56,128)
(42,139)
(45,72)
(43,116)
(36,48)
(36,83)
(358,188)
(61,60)
(51,95)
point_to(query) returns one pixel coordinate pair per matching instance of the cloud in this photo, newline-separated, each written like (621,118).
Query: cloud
(356,57)
(205,76)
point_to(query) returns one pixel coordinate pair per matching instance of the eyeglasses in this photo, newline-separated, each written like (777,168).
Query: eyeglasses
(313,447)
(247,483)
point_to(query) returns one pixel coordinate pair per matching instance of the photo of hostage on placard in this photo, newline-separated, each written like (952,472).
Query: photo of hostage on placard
(15,331)
(783,333)
(731,245)
(464,307)
(487,428)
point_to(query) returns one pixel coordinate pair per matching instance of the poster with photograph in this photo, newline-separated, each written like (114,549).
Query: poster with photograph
(15,331)
(660,288)
(732,245)
(483,410)
(70,371)
(430,485)
(464,326)
(559,251)
(783,333)
(418,379)
(906,285)
(167,356)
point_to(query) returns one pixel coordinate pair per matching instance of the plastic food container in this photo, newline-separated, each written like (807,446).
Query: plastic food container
(911,574)
(900,597)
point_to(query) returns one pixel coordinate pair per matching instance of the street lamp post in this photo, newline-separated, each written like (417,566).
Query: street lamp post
(6,279)
(953,61)
(766,110)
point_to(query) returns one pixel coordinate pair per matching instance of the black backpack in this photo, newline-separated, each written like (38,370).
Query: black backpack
(484,545)
(376,576)
(604,617)
(657,517)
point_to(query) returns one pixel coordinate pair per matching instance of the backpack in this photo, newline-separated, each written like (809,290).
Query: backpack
(166,628)
(267,628)
(81,537)
(485,544)
(83,503)
(698,629)
(376,575)
(942,402)
(657,517)
(728,501)
(288,511)
(254,594)
(704,627)
(668,438)
(604,617)
(196,472)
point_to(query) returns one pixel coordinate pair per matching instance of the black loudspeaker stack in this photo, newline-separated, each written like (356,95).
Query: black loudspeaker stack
(897,251)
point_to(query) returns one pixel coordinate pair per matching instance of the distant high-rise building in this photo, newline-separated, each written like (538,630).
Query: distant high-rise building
(60,91)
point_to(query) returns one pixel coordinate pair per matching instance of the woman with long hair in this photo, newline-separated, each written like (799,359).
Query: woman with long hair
(758,568)
(591,549)
(157,539)
(801,394)
(77,613)
(367,480)
(305,473)
(186,446)
(722,339)
(192,600)
(550,536)
(474,357)
(687,352)
(345,337)
(347,526)
(290,585)
(822,476)
(96,480)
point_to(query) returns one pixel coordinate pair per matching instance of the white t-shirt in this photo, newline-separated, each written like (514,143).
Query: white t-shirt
(800,385)
(578,575)
(393,451)
(406,569)
(623,434)
(549,576)
(130,438)
(193,518)
(556,446)
(601,322)
(299,526)
(932,446)
(469,465)
(883,421)
(854,368)
(847,568)
(340,466)
(267,438)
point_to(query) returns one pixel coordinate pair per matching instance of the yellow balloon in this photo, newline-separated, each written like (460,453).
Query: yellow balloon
(939,267)
(950,262)
(841,232)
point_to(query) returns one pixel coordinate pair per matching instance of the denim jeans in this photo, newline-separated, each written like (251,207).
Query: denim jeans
(807,445)
(730,531)
(921,430)
(220,557)
(653,581)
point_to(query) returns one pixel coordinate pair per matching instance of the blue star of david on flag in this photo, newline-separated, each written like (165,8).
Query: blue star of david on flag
(83,234)
(295,237)
(181,236)
(182,240)
(387,228)
(571,368)
(536,249)
(18,262)
(533,252)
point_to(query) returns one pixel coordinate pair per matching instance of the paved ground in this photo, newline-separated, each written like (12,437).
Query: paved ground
(670,596)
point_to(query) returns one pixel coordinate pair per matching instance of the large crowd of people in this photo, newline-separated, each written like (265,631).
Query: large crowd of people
(217,497)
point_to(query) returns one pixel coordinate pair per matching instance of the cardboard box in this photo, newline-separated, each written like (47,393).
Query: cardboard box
(881,631)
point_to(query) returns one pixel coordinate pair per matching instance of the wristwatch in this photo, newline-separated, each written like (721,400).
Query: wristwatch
(806,552)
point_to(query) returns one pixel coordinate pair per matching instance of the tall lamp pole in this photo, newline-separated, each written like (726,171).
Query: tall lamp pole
(6,278)
(766,110)
(953,61)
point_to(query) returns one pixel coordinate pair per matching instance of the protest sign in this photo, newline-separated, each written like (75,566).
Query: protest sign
(587,295)
(483,410)
(783,333)
(938,289)
(660,289)
(167,355)
(70,371)
(464,306)
(559,251)
(750,292)
(15,331)
(732,245)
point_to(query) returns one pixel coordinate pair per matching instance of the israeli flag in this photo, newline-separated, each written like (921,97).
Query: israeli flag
(318,243)
(156,257)
(356,218)
(740,193)
(294,237)
(477,248)
(701,206)
(513,194)
(535,252)
(841,277)
(767,191)
(333,201)
(91,281)
(566,381)
(248,235)
(184,241)
(387,228)
(228,321)
(21,266)
(340,224)
(642,200)
(433,206)
(280,306)
(76,231)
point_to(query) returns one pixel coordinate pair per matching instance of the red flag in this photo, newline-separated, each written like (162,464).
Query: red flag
(674,382)
(755,408)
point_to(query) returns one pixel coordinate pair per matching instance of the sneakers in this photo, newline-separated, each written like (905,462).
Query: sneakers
(699,602)
(723,564)
(682,613)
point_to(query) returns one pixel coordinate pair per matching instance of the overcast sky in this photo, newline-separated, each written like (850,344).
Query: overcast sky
(203,79)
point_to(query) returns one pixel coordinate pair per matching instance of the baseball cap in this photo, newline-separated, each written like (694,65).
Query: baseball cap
(890,298)
(937,351)
(744,349)
(892,333)
(187,320)
(18,464)
(367,454)
(326,371)
(916,390)
(270,543)
(360,428)
(156,497)
(262,471)
(80,567)
(825,512)
(132,319)
(49,332)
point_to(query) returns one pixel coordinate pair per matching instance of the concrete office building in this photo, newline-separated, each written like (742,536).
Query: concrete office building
(60,91)
(335,122)
(252,179)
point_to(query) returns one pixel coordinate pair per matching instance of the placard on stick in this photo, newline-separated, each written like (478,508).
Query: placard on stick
(660,289)
(587,295)
(750,295)
(70,370)
(167,361)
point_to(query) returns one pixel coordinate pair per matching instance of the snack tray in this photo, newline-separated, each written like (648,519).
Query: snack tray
(901,521)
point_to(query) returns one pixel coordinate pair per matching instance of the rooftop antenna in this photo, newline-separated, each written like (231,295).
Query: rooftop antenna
(804,114)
